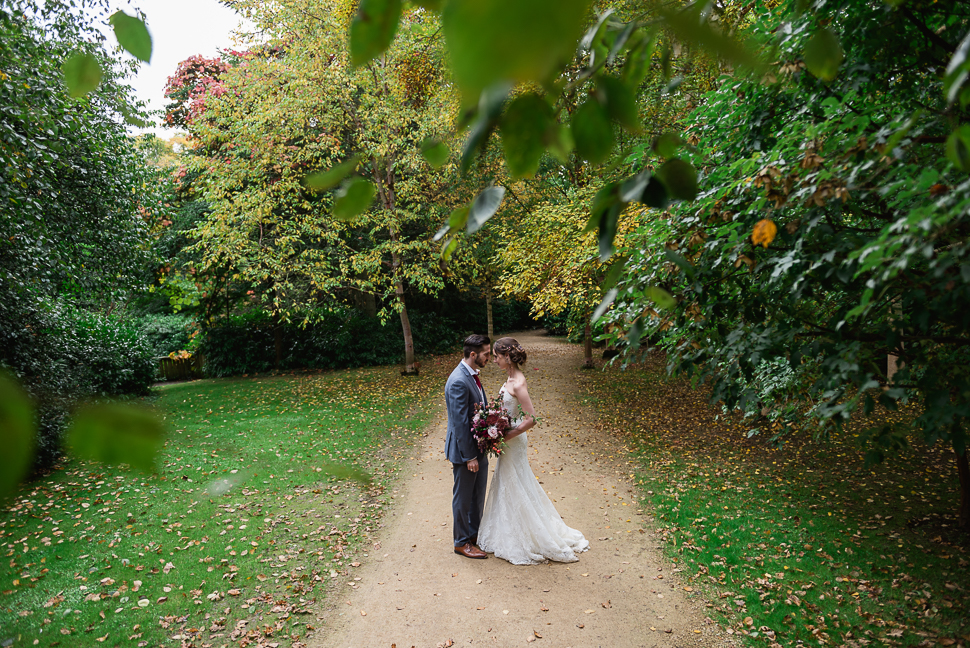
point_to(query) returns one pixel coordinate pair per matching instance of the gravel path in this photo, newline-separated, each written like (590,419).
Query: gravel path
(413,590)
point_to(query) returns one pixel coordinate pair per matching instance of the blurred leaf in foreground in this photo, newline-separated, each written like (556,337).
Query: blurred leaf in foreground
(117,434)
(82,74)
(16,434)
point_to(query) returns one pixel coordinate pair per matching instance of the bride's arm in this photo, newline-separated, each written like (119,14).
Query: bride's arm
(528,420)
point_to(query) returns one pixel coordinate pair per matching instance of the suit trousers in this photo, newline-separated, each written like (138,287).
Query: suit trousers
(468,500)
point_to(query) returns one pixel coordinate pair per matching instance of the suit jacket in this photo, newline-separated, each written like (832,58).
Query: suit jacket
(461,394)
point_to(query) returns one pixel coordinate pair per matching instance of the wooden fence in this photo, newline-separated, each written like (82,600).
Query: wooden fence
(181,368)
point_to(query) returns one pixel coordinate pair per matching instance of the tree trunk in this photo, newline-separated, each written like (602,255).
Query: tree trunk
(278,343)
(409,368)
(588,346)
(488,310)
(963,469)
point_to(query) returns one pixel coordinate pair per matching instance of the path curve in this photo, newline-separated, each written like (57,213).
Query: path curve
(415,591)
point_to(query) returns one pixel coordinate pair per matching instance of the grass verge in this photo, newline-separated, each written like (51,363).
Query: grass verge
(798,545)
(238,535)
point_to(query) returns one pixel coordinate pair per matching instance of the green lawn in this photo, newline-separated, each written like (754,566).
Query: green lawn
(799,543)
(238,534)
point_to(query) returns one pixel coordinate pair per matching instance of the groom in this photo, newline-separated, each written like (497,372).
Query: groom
(470,467)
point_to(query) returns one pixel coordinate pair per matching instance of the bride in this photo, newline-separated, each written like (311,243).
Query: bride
(520,524)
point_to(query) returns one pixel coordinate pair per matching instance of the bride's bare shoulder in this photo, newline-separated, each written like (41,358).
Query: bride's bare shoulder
(518,383)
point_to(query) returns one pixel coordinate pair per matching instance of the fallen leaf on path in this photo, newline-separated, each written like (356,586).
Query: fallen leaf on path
(362,613)
(538,636)
(607,605)
(589,611)
(544,608)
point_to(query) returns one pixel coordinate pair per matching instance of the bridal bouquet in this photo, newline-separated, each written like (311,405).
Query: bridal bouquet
(489,425)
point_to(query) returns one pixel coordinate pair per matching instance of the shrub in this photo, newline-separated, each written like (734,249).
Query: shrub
(65,354)
(166,333)
(344,338)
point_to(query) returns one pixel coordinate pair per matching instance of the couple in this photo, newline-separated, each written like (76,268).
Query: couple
(519,523)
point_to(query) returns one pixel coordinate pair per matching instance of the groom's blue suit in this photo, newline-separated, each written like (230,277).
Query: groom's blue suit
(468,500)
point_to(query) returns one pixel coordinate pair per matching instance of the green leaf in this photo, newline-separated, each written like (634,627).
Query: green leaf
(690,28)
(660,297)
(484,207)
(132,34)
(82,73)
(448,248)
(353,198)
(490,104)
(957,70)
(117,434)
(17,424)
(340,471)
(510,40)
(632,188)
(620,102)
(594,33)
(605,304)
(655,194)
(456,220)
(323,180)
(680,179)
(524,130)
(615,271)
(605,214)
(958,147)
(435,152)
(823,54)
(681,261)
(592,131)
(372,29)
(604,199)
(666,145)
(560,141)
(639,59)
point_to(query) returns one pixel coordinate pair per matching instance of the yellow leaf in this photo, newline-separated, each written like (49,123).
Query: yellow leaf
(764,233)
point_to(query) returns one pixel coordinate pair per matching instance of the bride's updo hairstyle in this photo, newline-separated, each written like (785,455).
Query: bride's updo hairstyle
(510,347)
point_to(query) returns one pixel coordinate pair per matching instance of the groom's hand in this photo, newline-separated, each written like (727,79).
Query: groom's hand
(473,465)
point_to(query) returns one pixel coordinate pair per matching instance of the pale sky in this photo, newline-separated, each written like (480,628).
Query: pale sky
(179,29)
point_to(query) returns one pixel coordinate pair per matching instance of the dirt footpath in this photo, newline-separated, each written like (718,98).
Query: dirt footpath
(415,591)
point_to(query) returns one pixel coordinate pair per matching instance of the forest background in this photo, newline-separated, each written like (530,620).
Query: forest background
(772,193)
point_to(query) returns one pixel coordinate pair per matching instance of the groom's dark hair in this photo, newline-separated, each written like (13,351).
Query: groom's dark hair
(475,342)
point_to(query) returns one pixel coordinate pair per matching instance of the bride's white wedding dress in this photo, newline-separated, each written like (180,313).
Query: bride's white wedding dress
(520,524)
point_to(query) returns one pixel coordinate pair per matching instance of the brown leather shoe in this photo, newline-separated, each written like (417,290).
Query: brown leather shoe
(469,550)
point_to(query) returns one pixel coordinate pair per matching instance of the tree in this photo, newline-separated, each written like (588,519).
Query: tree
(832,228)
(272,127)
(77,201)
